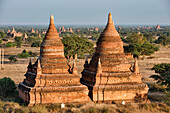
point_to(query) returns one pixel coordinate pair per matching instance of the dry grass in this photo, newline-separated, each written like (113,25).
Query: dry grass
(8,107)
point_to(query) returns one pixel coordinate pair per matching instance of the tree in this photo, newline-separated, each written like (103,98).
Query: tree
(24,54)
(76,45)
(32,39)
(7,87)
(36,44)
(12,59)
(2,35)
(163,40)
(136,38)
(10,44)
(163,78)
(18,41)
(141,49)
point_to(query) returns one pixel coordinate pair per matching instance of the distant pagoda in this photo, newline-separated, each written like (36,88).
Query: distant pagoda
(50,79)
(109,76)
(158,27)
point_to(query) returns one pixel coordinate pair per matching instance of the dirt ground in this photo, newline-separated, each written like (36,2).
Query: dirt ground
(17,70)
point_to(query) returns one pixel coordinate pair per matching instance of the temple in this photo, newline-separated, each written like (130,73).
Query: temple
(109,76)
(51,79)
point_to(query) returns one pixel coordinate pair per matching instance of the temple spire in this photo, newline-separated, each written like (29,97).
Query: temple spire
(136,67)
(74,68)
(110,21)
(38,68)
(51,19)
(99,67)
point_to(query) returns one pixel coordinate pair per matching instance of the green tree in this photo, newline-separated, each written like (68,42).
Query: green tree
(77,45)
(2,35)
(163,77)
(32,39)
(24,54)
(136,38)
(12,59)
(10,44)
(141,49)
(163,40)
(7,87)
(18,41)
(36,44)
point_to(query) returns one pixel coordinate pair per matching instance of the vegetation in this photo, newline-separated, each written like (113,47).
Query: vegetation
(164,74)
(76,45)
(24,54)
(5,39)
(0,41)
(32,39)
(36,44)
(11,107)
(136,38)
(163,40)
(10,44)
(12,59)
(7,87)
(2,35)
(141,49)
(18,41)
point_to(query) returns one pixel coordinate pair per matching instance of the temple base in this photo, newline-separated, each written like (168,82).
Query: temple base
(45,95)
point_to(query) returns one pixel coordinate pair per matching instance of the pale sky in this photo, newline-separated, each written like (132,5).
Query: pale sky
(85,11)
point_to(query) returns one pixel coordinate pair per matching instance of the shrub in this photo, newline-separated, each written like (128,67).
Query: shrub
(7,87)
(164,74)
(105,110)
(24,54)
(18,41)
(0,41)
(4,39)
(10,44)
(53,107)
(36,44)
(92,110)
(167,98)
(32,54)
(12,59)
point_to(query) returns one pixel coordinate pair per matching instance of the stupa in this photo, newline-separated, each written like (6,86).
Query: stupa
(109,76)
(158,27)
(50,79)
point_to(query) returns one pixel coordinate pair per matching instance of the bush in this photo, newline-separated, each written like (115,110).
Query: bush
(36,44)
(92,110)
(24,54)
(0,41)
(7,87)
(32,54)
(167,98)
(12,59)
(105,110)
(4,39)
(10,44)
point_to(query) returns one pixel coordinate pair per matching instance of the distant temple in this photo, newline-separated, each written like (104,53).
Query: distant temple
(109,76)
(158,27)
(32,30)
(13,33)
(25,37)
(51,79)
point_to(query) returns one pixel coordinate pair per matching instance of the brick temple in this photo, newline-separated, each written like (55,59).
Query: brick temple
(51,79)
(109,76)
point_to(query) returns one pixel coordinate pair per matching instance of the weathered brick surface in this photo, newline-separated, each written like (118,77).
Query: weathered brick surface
(108,75)
(49,79)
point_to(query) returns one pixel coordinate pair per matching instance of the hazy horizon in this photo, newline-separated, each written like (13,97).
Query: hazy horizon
(89,12)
